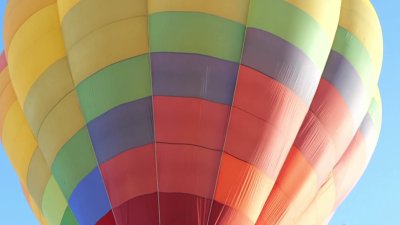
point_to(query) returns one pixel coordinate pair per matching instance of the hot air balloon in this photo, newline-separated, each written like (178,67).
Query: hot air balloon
(201,112)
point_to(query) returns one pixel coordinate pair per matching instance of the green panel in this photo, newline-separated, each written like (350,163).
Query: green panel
(38,176)
(56,80)
(54,203)
(293,25)
(119,83)
(74,161)
(69,218)
(199,33)
(352,49)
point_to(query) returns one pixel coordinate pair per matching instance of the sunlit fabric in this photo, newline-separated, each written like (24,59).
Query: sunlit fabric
(200,112)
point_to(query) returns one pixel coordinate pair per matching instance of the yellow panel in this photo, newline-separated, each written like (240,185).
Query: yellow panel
(235,10)
(7,98)
(36,46)
(17,12)
(35,209)
(64,6)
(83,20)
(108,45)
(324,12)
(360,18)
(54,202)
(56,80)
(59,126)
(18,140)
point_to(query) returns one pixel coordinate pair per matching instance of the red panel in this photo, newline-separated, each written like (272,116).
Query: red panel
(141,210)
(187,169)
(190,121)
(3,61)
(265,120)
(332,111)
(255,141)
(108,219)
(130,174)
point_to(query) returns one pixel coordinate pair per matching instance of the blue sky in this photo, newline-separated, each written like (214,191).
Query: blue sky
(374,200)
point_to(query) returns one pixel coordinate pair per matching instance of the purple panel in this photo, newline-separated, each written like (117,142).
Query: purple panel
(342,75)
(192,75)
(127,126)
(281,61)
(89,201)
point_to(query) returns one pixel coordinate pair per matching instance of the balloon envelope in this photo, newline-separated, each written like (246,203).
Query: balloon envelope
(188,112)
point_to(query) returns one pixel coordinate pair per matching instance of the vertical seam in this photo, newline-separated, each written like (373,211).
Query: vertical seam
(154,122)
(230,112)
(84,119)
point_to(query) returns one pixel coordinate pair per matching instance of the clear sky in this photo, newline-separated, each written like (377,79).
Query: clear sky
(375,199)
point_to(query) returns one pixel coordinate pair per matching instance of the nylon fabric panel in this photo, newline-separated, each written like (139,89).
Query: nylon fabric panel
(112,42)
(254,135)
(342,75)
(54,203)
(194,69)
(122,128)
(348,170)
(320,206)
(322,139)
(360,18)
(189,139)
(212,36)
(74,161)
(243,188)
(38,177)
(258,130)
(68,218)
(37,45)
(117,84)
(7,99)
(89,201)
(235,10)
(334,123)
(132,212)
(17,13)
(82,20)
(64,6)
(297,27)
(193,75)
(39,103)
(130,175)
(347,45)
(191,121)
(35,209)
(66,114)
(322,12)
(284,195)
(108,219)
(16,128)
(282,61)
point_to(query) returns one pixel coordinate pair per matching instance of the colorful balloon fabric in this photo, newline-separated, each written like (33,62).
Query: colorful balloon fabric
(200,112)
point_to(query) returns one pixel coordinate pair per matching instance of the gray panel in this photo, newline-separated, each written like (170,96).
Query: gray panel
(127,126)
(342,75)
(192,75)
(281,61)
